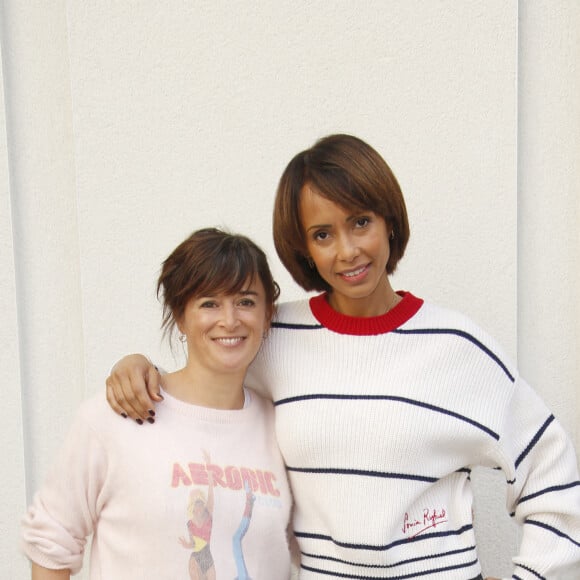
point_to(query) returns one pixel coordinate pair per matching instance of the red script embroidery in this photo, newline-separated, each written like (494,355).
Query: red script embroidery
(431,519)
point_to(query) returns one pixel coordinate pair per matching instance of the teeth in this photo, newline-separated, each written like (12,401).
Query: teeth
(230,341)
(354,273)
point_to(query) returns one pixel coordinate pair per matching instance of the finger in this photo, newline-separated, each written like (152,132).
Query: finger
(117,388)
(134,398)
(142,383)
(154,384)
(112,399)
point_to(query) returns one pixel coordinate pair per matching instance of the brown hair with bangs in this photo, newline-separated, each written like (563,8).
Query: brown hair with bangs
(346,171)
(210,262)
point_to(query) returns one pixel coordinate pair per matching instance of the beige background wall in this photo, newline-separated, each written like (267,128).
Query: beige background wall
(129,124)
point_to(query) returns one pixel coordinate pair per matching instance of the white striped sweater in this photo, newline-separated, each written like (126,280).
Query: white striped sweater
(380,422)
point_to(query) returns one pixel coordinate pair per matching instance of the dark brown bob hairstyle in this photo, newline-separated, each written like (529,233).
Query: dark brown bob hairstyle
(210,262)
(346,171)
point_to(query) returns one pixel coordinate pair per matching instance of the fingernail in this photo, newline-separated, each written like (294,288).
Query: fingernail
(139,421)
(150,420)
(124,415)
(152,412)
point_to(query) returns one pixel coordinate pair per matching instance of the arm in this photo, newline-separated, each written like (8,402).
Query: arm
(40,573)
(188,545)
(543,496)
(133,388)
(66,509)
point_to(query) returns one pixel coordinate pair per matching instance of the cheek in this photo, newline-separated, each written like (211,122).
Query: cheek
(379,244)
(257,320)
(320,257)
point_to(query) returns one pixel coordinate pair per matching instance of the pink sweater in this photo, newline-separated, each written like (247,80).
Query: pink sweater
(137,489)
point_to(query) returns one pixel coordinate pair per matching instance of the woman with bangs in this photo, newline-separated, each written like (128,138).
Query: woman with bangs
(210,477)
(386,402)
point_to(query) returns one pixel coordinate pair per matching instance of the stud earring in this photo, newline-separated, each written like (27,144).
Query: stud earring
(310,263)
(182,338)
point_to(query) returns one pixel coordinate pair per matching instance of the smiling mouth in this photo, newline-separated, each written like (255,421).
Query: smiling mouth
(230,341)
(354,274)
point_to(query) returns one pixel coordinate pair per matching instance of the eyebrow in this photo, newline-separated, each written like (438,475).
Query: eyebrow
(239,292)
(318,226)
(248,293)
(349,218)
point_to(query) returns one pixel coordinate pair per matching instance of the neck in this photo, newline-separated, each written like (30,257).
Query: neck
(197,387)
(379,302)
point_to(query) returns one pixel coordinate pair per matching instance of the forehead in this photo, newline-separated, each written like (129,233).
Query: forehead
(315,206)
(251,285)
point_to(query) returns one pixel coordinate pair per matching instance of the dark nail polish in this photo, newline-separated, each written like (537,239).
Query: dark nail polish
(152,412)
(139,421)
(150,420)
(124,415)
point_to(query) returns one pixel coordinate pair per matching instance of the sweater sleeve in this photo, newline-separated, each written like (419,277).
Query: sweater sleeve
(65,509)
(543,486)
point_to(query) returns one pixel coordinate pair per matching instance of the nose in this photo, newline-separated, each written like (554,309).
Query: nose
(347,249)
(229,316)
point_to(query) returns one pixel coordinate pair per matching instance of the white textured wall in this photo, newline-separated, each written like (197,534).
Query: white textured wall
(13,473)
(549,205)
(130,124)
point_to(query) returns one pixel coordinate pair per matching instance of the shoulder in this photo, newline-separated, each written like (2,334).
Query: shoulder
(263,404)
(96,420)
(295,312)
(95,409)
(262,413)
(433,314)
(435,317)
(449,324)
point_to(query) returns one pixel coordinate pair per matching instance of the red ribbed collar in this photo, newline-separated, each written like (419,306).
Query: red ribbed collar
(344,324)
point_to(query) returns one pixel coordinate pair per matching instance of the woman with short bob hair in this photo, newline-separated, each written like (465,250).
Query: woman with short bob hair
(351,174)
(385,403)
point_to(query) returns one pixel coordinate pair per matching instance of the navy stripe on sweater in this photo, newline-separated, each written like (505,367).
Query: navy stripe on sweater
(384,547)
(534,440)
(395,564)
(536,574)
(462,334)
(388,398)
(400,577)
(549,490)
(361,472)
(452,331)
(292,326)
(553,530)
